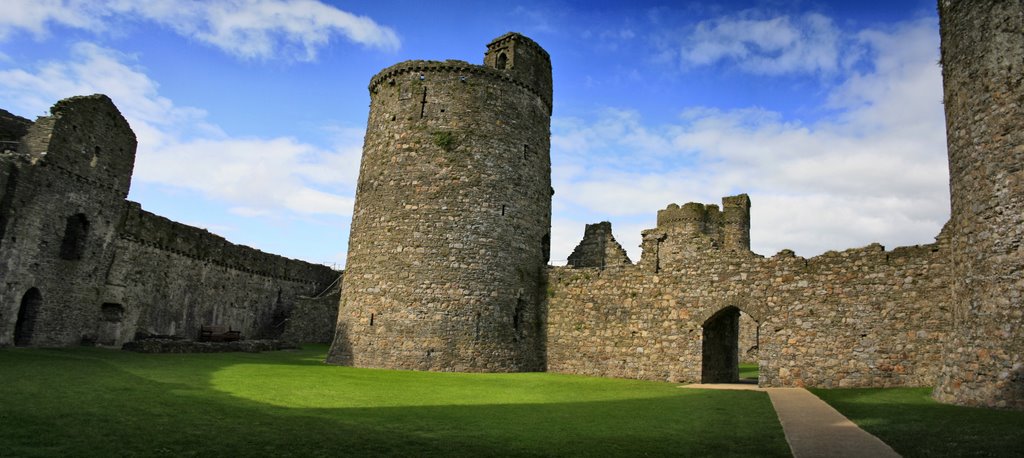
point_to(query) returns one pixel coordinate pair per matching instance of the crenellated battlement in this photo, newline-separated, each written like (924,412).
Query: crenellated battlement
(726,227)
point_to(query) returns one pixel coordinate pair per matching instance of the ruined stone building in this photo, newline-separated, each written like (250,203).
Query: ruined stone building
(447,264)
(81,264)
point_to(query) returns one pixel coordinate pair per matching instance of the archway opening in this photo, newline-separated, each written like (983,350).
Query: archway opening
(27,314)
(502,61)
(749,346)
(720,347)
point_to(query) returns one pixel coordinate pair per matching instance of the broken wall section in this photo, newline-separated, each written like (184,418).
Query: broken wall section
(599,248)
(862,317)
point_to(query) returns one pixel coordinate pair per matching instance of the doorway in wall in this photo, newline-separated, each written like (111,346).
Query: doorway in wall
(27,314)
(720,347)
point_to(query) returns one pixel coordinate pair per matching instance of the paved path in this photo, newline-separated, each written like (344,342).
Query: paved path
(813,428)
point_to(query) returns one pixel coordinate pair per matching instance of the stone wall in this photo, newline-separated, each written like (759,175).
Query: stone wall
(861,317)
(80,264)
(170,279)
(12,127)
(983,73)
(450,232)
(312,319)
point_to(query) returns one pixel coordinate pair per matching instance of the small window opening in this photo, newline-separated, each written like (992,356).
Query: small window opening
(526,151)
(96,151)
(76,231)
(501,62)
(504,208)
(371,319)
(423,103)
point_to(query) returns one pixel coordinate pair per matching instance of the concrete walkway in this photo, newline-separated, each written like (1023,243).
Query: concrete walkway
(813,428)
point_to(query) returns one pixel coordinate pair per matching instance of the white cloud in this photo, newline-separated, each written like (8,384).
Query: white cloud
(35,16)
(769,46)
(258,175)
(251,29)
(177,148)
(874,171)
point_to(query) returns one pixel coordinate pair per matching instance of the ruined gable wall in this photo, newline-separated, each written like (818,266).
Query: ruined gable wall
(173,278)
(861,317)
(598,248)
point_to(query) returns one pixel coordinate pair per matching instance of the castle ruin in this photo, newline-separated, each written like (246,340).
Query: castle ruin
(81,264)
(447,265)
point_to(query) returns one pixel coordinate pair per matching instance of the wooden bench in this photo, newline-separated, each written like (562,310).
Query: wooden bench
(218,334)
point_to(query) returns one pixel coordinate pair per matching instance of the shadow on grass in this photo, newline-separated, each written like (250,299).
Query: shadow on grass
(103,403)
(914,424)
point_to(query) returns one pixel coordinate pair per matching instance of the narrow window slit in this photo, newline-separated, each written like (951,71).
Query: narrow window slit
(423,103)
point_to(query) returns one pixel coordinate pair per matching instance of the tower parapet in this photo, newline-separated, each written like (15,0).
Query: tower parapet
(694,228)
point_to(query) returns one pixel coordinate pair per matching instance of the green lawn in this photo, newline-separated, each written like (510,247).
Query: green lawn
(748,371)
(93,402)
(913,424)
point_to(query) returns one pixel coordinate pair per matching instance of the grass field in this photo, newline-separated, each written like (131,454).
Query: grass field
(913,424)
(92,402)
(748,371)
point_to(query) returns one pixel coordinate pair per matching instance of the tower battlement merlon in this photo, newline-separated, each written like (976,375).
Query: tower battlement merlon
(736,222)
(692,215)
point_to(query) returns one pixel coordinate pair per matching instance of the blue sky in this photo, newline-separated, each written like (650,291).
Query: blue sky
(250,113)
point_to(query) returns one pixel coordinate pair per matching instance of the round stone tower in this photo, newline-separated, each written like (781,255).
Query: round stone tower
(451,228)
(983,73)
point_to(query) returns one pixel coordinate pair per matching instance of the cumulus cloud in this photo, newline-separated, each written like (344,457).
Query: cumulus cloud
(873,170)
(178,148)
(251,29)
(765,45)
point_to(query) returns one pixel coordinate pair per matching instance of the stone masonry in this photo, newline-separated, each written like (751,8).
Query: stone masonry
(598,248)
(450,232)
(81,264)
(983,71)
(450,238)
(861,317)
(696,302)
